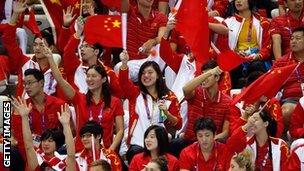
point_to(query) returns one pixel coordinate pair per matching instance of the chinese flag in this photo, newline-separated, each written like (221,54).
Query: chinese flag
(192,23)
(268,85)
(227,60)
(103,29)
(31,24)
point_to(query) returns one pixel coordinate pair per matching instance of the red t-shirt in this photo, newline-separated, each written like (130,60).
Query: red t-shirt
(139,161)
(201,105)
(292,87)
(141,30)
(191,158)
(297,122)
(106,117)
(39,122)
(283,25)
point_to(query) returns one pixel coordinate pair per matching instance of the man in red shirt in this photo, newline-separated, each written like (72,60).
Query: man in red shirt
(281,27)
(293,89)
(45,107)
(145,28)
(204,99)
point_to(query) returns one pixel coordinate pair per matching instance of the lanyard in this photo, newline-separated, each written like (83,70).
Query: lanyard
(99,115)
(267,155)
(249,36)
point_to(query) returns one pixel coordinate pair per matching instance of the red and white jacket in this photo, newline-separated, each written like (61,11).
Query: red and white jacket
(57,162)
(235,24)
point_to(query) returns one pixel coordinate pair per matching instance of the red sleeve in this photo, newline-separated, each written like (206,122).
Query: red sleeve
(114,83)
(220,6)
(172,59)
(222,41)
(63,38)
(284,155)
(118,109)
(174,110)
(187,159)
(70,59)
(297,121)
(237,142)
(266,43)
(275,26)
(294,162)
(131,91)
(16,57)
(234,119)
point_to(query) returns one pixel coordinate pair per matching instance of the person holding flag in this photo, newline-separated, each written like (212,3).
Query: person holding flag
(91,134)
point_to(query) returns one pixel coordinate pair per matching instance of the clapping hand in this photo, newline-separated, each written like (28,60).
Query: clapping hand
(23,109)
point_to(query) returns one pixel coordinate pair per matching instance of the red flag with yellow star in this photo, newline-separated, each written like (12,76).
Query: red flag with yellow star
(268,85)
(103,29)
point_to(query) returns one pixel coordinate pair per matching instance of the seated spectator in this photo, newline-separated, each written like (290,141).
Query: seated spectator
(150,103)
(292,90)
(248,36)
(145,28)
(18,62)
(46,157)
(242,162)
(206,153)
(91,134)
(204,99)
(96,104)
(268,153)
(43,114)
(155,146)
(282,26)
(296,129)
(89,55)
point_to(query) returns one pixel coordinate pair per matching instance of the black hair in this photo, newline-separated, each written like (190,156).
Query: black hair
(47,35)
(162,89)
(162,139)
(99,47)
(204,123)
(105,93)
(100,8)
(209,65)
(56,134)
(92,127)
(298,29)
(161,162)
(35,72)
(272,123)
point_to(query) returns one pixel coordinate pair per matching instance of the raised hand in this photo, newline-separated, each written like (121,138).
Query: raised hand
(64,115)
(19,6)
(124,57)
(47,52)
(79,26)
(68,16)
(23,109)
(216,71)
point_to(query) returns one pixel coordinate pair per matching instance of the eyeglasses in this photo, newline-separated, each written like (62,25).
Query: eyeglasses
(29,83)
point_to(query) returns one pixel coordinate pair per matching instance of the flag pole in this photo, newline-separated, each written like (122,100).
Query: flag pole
(124,30)
(93,147)
(80,12)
